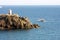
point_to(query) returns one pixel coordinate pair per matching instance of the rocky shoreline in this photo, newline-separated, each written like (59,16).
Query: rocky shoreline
(10,22)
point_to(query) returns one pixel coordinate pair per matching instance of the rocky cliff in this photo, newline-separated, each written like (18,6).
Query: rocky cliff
(8,22)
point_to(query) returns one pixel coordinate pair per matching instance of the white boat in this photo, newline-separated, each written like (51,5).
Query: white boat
(41,20)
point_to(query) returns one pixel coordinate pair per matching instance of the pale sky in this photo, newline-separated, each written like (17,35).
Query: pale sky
(29,2)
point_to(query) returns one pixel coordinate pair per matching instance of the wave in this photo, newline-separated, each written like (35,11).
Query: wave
(52,21)
(44,20)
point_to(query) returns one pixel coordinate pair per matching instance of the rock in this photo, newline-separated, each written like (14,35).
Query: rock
(8,22)
(36,25)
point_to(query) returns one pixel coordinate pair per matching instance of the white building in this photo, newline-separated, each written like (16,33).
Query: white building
(10,12)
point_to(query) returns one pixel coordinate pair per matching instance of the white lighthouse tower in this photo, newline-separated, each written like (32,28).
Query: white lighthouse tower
(10,12)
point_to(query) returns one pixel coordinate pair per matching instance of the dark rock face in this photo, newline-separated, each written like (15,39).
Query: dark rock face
(8,22)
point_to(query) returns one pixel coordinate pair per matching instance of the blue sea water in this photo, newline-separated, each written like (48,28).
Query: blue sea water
(49,30)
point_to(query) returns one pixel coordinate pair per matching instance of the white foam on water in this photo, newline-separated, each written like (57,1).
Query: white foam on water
(1,7)
(52,21)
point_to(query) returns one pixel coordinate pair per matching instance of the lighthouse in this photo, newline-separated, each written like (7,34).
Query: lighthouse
(10,12)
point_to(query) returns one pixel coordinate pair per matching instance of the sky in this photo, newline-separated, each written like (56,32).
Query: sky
(29,2)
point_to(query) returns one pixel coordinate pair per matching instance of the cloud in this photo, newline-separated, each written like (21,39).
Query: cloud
(29,2)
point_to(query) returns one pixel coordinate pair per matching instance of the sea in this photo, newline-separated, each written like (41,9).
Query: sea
(49,30)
